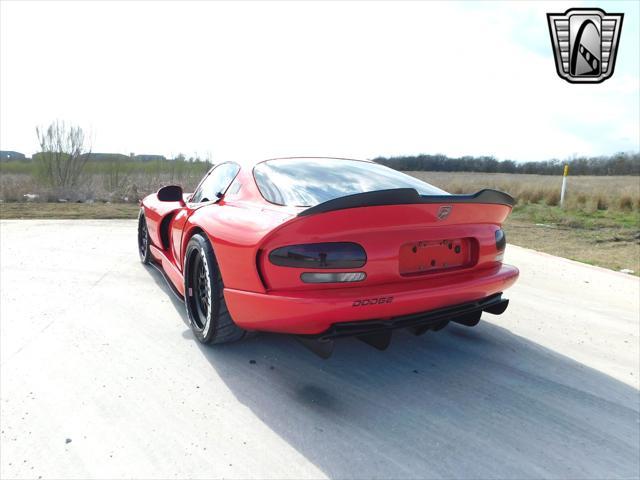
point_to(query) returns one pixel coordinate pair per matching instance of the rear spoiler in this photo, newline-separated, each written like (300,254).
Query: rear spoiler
(404,196)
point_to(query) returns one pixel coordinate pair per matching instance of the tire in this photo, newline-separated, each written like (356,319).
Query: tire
(204,300)
(143,239)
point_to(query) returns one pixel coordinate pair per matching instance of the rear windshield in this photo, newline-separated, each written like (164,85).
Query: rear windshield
(305,182)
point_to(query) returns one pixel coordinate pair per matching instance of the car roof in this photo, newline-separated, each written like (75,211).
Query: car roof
(250,163)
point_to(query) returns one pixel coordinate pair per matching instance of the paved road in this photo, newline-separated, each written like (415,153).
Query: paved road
(101,377)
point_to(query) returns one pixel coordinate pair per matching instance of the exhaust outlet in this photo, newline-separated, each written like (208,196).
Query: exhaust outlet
(498,308)
(469,320)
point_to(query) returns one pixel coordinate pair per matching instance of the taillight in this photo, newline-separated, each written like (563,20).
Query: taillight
(320,255)
(501,240)
(501,244)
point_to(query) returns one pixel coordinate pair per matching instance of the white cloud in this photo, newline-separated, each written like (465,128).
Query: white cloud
(264,79)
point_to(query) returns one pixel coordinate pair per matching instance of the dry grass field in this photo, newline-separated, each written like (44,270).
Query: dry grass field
(599,225)
(101,187)
(585,193)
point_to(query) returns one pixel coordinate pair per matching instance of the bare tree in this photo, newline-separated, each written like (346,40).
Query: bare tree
(63,155)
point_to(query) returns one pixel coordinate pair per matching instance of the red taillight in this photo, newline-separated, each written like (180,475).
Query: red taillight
(320,255)
(501,244)
(501,240)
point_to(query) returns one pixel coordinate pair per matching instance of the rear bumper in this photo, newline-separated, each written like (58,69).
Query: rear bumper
(315,312)
(467,313)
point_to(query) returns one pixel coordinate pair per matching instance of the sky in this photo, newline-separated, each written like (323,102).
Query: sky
(348,79)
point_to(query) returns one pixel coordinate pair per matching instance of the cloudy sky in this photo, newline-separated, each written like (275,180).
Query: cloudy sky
(353,79)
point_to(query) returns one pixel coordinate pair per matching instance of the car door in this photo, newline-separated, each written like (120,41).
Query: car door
(213,186)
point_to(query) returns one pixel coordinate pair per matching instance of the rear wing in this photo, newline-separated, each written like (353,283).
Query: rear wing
(404,196)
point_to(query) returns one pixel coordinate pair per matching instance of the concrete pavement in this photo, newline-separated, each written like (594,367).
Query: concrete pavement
(100,377)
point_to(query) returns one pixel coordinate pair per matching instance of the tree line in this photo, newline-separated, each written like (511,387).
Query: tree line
(65,152)
(618,164)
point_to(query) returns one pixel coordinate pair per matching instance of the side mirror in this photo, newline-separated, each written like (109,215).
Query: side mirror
(170,193)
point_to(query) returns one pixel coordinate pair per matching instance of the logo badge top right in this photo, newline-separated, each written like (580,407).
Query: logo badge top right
(585,43)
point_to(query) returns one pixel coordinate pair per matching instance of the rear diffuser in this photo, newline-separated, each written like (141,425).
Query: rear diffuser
(379,340)
(377,333)
(321,347)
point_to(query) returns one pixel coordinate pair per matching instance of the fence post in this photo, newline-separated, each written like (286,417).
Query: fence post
(564,184)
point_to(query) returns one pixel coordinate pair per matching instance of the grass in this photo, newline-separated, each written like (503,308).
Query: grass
(154,167)
(606,239)
(68,210)
(115,187)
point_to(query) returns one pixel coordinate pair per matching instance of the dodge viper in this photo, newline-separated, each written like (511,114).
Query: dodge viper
(324,248)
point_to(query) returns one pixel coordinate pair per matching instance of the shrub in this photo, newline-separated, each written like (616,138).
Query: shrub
(602,203)
(581,200)
(552,198)
(625,203)
(537,196)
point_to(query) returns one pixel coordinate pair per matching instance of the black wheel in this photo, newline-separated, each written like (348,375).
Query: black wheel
(207,311)
(143,238)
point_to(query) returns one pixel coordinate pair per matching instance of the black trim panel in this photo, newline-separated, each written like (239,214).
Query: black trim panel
(164,230)
(171,286)
(405,196)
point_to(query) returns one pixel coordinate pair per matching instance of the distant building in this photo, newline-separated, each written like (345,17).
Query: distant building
(110,157)
(8,155)
(105,157)
(149,158)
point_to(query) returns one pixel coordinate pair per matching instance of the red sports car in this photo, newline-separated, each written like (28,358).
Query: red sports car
(324,248)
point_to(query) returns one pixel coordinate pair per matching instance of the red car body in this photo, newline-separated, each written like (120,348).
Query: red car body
(422,255)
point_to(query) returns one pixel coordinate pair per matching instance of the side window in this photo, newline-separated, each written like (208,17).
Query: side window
(217,182)
(234,188)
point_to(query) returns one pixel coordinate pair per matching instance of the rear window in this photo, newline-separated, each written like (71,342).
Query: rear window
(305,182)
